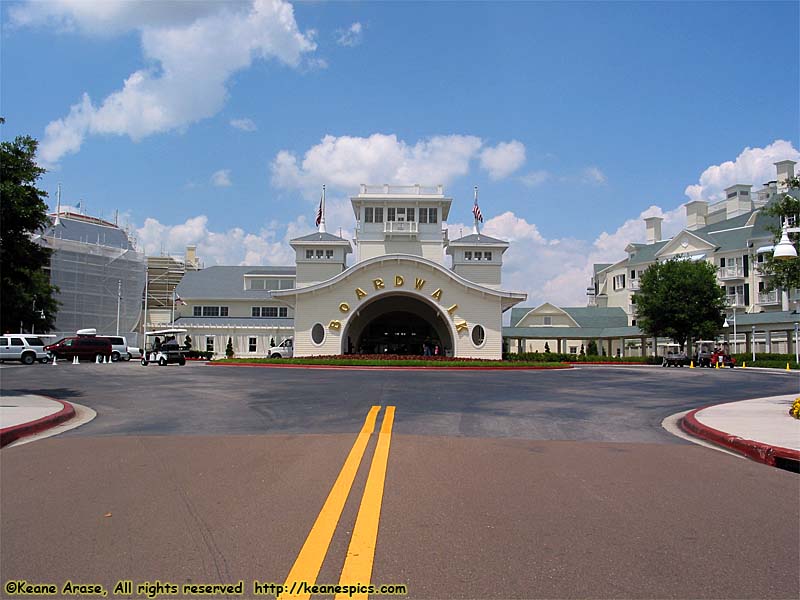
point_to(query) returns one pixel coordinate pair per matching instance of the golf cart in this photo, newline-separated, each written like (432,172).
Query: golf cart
(703,351)
(162,347)
(673,356)
(722,357)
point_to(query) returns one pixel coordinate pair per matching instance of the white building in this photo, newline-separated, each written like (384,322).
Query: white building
(398,297)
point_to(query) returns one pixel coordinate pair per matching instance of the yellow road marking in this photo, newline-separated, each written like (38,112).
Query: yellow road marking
(309,561)
(358,564)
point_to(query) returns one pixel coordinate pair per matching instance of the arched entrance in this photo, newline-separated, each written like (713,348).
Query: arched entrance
(397,324)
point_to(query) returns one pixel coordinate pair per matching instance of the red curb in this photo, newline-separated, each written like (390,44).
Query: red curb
(621,364)
(379,368)
(14,432)
(758,451)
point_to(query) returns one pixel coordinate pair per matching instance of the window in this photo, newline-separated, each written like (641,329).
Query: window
(423,215)
(633,274)
(478,255)
(760,258)
(318,334)
(223,311)
(401,214)
(256,284)
(211,311)
(379,214)
(619,282)
(319,253)
(309,254)
(478,335)
(368,214)
(548,320)
(468,255)
(269,311)
(433,215)
(487,256)
(255,311)
(16,342)
(573,349)
(251,344)
(209,343)
(283,311)
(731,194)
(3,341)
(633,322)
(329,254)
(409,214)
(197,311)
(390,216)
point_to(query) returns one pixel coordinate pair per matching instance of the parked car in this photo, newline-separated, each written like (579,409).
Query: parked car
(84,347)
(25,348)
(134,353)
(119,347)
(283,350)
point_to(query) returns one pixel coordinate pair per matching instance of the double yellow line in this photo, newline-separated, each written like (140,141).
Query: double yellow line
(361,552)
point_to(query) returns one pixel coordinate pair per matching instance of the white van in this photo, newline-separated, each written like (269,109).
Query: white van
(283,350)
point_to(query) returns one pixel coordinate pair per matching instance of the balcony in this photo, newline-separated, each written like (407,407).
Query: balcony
(732,272)
(633,285)
(736,300)
(769,298)
(400,228)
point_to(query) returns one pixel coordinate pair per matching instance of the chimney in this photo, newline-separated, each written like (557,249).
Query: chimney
(653,229)
(191,257)
(737,200)
(785,171)
(696,213)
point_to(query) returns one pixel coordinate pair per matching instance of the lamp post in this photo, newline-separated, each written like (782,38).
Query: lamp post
(784,249)
(796,350)
(119,300)
(753,344)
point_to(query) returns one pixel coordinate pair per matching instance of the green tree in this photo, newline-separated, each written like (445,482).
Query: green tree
(591,348)
(27,296)
(680,299)
(229,349)
(784,273)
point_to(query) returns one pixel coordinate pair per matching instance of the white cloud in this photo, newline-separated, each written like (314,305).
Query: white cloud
(535,178)
(191,64)
(503,159)
(559,270)
(347,161)
(594,175)
(244,124)
(351,36)
(753,166)
(222,178)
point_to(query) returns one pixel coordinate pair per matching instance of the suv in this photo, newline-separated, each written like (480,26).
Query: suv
(24,348)
(119,347)
(284,350)
(87,347)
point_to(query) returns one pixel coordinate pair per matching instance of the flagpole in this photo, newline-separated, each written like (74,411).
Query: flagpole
(475,229)
(322,220)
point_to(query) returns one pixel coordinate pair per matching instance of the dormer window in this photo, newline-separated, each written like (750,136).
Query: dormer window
(319,253)
(487,256)
(328,254)
(468,255)
(369,214)
(478,255)
(309,254)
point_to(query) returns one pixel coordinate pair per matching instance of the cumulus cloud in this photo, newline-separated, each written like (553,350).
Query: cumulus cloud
(190,65)
(753,166)
(503,159)
(594,175)
(222,178)
(243,125)
(347,161)
(535,178)
(350,36)
(558,270)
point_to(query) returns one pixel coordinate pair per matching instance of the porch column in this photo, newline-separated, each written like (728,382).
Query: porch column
(519,346)
(558,345)
(644,346)
(768,341)
(747,342)
(790,341)
(609,347)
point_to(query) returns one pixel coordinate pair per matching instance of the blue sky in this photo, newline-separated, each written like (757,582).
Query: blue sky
(572,118)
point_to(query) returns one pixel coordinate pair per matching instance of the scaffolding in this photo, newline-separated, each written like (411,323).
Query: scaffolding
(99,274)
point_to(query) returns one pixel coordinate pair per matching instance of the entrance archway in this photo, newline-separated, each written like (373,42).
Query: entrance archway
(397,324)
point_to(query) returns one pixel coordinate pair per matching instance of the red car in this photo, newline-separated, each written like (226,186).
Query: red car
(84,347)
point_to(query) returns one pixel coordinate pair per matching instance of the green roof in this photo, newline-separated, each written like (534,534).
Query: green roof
(585,316)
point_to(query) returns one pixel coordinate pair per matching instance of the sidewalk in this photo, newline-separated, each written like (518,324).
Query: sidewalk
(24,415)
(760,429)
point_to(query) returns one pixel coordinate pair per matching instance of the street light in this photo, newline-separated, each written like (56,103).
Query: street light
(726,325)
(785,250)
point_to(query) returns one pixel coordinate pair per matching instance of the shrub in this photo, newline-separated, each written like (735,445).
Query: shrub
(229,349)
(795,410)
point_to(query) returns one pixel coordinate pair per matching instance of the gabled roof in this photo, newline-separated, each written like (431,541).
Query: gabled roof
(88,231)
(584,316)
(674,244)
(226,282)
(475,239)
(321,237)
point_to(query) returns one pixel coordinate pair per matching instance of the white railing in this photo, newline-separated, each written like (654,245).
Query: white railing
(403,227)
(633,284)
(731,272)
(734,300)
(769,297)
(402,190)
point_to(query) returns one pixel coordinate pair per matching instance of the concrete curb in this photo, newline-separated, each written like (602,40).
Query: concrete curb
(764,453)
(379,368)
(14,432)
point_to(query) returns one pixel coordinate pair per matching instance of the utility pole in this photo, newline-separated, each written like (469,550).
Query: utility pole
(119,300)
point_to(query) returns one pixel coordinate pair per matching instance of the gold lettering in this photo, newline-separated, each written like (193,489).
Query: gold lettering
(335,325)
(344,307)
(452,309)
(461,326)
(360,293)
(437,294)
(378,283)
(419,283)
(398,281)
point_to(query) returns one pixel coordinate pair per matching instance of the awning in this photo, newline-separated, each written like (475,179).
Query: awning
(765,249)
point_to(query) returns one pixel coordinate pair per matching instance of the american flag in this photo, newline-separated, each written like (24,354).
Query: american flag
(179,300)
(319,213)
(476,210)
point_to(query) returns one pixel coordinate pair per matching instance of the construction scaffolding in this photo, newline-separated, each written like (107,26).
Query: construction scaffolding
(99,274)
(164,273)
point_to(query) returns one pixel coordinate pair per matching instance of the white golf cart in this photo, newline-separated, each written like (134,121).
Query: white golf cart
(162,347)
(673,357)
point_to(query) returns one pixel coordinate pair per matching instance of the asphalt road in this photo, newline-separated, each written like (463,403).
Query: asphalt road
(498,485)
